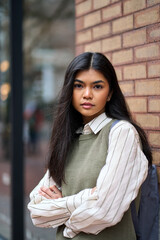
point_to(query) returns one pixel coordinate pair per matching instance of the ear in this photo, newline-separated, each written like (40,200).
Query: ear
(109,96)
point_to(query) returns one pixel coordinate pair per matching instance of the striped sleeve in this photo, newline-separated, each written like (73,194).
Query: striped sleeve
(53,212)
(117,185)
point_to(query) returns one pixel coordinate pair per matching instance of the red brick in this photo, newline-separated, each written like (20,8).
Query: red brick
(92,19)
(158,171)
(156,158)
(93,47)
(133,5)
(154,138)
(112,12)
(154,69)
(84,36)
(79,49)
(110,44)
(119,73)
(109,56)
(146,52)
(122,24)
(134,38)
(102,30)
(79,23)
(122,57)
(148,120)
(147,87)
(83,7)
(100,3)
(127,88)
(146,17)
(153,33)
(137,104)
(134,71)
(154,105)
(152,2)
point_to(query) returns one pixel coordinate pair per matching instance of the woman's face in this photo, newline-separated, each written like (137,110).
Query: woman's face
(90,94)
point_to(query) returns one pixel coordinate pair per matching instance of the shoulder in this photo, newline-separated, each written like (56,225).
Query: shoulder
(122,124)
(122,128)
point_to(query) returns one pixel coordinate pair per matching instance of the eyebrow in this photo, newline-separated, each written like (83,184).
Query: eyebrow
(80,81)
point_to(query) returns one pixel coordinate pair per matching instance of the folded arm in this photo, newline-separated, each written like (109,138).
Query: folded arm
(48,212)
(117,185)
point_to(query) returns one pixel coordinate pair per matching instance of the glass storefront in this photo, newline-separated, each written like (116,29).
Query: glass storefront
(5,122)
(48,47)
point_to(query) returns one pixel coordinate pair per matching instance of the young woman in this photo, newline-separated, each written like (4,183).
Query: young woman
(98,158)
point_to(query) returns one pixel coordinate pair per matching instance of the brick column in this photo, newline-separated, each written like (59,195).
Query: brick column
(128,33)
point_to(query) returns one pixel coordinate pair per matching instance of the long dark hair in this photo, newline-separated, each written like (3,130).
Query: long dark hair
(67,119)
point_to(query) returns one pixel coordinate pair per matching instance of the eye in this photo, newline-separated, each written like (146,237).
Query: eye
(98,86)
(78,85)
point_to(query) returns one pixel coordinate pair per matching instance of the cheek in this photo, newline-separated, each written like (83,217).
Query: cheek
(103,98)
(74,98)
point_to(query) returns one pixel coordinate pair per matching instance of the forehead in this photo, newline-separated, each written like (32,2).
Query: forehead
(90,74)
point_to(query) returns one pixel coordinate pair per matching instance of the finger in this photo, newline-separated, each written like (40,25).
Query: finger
(44,194)
(55,189)
(51,196)
(58,193)
(47,191)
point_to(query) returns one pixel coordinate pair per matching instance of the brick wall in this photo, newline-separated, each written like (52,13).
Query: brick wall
(128,33)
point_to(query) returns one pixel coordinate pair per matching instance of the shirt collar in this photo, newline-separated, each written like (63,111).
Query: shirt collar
(95,125)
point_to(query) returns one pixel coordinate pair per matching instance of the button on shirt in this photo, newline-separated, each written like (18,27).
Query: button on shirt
(124,146)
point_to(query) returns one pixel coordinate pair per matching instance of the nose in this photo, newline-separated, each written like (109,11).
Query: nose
(87,93)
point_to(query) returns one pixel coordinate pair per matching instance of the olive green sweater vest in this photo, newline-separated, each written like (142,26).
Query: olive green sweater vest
(84,163)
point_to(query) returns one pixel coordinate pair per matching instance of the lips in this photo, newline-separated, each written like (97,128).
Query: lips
(87,105)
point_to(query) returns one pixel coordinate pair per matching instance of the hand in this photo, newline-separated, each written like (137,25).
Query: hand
(93,189)
(50,193)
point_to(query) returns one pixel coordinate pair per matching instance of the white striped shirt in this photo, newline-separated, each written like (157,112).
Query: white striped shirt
(117,185)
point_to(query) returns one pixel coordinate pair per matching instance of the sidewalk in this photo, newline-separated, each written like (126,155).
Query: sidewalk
(33,172)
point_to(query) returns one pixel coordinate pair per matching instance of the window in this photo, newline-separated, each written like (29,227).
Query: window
(5,121)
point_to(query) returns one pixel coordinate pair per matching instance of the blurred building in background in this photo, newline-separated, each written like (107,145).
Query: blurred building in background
(48,47)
